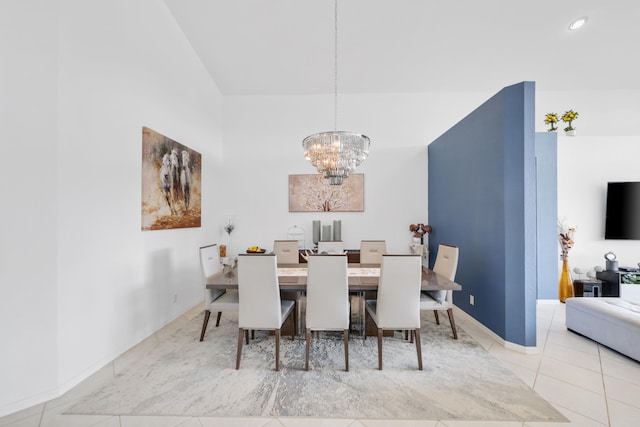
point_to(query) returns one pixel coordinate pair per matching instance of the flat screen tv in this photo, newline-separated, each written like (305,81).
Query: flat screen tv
(623,211)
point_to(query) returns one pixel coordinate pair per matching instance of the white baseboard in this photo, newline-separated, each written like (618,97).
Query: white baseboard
(498,339)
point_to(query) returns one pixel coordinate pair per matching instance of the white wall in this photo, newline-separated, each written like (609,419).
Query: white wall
(607,148)
(263,136)
(100,285)
(28,214)
(589,163)
(263,146)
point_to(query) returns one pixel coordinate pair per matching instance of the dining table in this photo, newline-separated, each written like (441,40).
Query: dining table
(362,278)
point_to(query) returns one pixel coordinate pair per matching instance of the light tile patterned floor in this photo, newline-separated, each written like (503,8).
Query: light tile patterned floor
(590,384)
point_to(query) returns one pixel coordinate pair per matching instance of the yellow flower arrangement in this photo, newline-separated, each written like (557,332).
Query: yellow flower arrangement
(551,119)
(569,117)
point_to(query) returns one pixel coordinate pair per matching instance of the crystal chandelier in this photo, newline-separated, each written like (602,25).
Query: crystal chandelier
(336,154)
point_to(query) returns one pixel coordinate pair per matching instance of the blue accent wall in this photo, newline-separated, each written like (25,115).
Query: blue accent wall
(483,194)
(547,209)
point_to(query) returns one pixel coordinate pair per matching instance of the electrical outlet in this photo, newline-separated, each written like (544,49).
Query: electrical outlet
(471,300)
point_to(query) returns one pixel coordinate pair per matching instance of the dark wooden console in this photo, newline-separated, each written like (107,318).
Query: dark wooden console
(611,282)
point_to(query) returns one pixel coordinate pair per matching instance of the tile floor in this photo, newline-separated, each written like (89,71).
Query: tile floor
(590,384)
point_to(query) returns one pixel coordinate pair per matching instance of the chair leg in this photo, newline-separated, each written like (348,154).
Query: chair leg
(218,319)
(435,313)
(380,348)
(253,334)
(364,319)
(410,335)
(346,350)
(246,335)
(418,348)
(277,349)
(240,334)
(453,323)
(297,315)
(307,346)
(207,313)
(295,323)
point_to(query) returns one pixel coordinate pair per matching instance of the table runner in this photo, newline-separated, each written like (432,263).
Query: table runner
(352,271)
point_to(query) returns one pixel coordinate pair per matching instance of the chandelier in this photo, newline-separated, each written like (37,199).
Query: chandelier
(336,154)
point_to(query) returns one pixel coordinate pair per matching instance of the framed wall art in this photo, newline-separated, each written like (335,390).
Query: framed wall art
(171,183)
(313,193)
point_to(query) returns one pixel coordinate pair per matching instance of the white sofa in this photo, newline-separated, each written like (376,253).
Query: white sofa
(613,322)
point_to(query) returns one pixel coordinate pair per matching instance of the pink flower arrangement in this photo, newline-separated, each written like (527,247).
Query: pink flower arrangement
(419,230)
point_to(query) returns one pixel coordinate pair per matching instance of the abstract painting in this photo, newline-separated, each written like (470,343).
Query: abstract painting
(313,193)
(171,183)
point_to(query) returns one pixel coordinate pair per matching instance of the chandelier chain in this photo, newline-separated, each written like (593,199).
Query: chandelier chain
(336,154)
(335,69)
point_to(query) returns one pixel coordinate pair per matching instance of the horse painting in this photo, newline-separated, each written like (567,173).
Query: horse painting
(171,182)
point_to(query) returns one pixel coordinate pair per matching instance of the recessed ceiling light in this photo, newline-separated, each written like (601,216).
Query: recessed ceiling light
(577,23)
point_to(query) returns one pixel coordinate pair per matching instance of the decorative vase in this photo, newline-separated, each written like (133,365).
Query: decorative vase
(571,132)
(565,285)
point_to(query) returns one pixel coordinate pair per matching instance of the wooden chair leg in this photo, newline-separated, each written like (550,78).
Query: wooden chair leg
(295,323)
(240,334)
(207,313)
(410,335)
(246,334)
(218,319)
(346,350)
(363,309)
(297,313)
(380,348)
(453,323)
(308,339)
(277,349)
(435,313)
(253,334)
(365,317)
(418,348)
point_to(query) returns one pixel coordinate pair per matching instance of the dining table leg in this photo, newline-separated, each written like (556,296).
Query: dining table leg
(363,324)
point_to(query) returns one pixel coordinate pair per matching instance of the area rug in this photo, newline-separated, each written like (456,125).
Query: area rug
(182,376)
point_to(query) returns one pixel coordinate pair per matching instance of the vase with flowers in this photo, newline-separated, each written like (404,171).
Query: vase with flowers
(569,117)
(565,284)
(419,230)
(551,119)
(228,227)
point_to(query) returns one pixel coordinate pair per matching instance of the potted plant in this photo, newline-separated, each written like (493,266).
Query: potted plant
(569,117)
(419,230)
(551,119)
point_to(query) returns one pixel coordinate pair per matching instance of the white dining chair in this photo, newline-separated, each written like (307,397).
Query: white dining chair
(215,300)
(398,304)
(446,265)
(371,251)
(330,247)
(327,299)
(286,251)
(260,305)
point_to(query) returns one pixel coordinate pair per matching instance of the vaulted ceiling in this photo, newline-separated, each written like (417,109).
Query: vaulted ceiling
(399,46)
